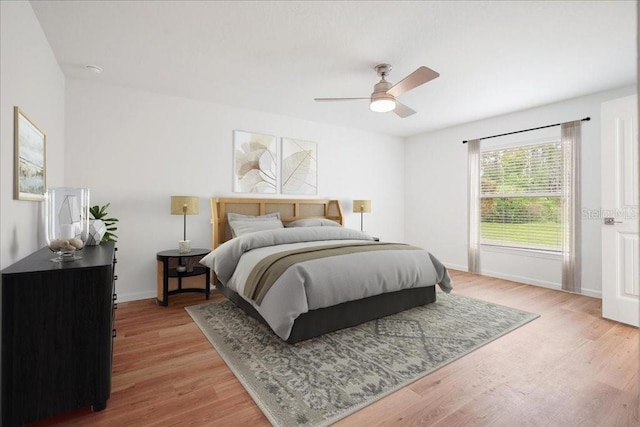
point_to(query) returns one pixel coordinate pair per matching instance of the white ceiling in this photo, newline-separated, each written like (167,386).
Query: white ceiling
(493,57)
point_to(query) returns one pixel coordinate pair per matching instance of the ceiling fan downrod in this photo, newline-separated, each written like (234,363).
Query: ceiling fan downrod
(381,101)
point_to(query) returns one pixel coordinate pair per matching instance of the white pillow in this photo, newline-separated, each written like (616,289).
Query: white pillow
(244,224)
(313,222)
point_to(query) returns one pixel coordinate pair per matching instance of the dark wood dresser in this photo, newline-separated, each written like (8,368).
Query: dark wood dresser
(57,334)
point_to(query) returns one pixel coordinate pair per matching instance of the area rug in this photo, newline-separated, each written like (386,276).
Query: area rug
(319,381)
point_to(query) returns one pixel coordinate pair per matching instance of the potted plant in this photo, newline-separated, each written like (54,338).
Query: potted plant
(101,228)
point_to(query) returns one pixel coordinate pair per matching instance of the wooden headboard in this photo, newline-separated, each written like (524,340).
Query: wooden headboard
(290,210)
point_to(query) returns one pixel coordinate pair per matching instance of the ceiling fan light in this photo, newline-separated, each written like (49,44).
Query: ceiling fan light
(382,105)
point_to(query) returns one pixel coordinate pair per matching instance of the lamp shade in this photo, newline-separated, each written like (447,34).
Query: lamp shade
(362,206)
(185,205)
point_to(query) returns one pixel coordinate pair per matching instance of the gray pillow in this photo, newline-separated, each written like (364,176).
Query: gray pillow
(233,216)
(243,224)
(313,222)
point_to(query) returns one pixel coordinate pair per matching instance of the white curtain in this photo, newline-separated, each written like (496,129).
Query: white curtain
(571,221)
(474,205)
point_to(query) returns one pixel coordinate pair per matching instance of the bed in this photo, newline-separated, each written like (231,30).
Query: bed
(291,264)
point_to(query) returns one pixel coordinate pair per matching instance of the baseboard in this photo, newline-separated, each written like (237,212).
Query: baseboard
(528,281)
(591,293)
(135,296)
(521,279)
(457,267)
(541,283)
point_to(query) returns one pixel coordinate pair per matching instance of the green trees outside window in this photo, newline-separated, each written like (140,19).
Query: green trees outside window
(521,196)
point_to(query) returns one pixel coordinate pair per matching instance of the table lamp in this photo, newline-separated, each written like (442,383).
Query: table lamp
(362,207)
(185,205)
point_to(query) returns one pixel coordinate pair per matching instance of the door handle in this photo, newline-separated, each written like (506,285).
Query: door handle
(611,221)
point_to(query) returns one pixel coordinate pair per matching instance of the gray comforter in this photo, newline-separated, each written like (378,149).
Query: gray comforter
(321,282)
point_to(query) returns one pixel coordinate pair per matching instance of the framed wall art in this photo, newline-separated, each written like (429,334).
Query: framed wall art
(255,163)
(299,167)
(30,180)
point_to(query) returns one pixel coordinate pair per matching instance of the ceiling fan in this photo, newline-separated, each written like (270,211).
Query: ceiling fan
(383,98)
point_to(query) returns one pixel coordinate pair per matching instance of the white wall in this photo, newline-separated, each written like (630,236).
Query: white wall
(135,149)
(436,192)
(31,79)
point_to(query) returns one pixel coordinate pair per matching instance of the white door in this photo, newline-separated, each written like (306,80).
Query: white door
(620,194)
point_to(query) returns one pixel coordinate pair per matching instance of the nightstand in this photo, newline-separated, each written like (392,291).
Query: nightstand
(171,278)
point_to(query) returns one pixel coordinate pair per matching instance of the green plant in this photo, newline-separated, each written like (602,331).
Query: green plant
(100,212)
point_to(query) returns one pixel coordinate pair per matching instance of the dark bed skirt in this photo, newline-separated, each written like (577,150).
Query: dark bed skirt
(323,320)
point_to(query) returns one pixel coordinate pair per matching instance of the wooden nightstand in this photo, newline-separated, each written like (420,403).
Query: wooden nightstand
(170,279)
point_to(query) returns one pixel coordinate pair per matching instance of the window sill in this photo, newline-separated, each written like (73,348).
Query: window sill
(538,253)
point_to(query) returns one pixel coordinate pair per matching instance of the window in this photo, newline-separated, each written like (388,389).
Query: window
(521,196)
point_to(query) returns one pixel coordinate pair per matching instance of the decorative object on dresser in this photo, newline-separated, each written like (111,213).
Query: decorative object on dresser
(185,205)
(176,269)
(57,334)
(30,168)
(361,207)
(319,381)
(101,229)
(66,221)
(97,230)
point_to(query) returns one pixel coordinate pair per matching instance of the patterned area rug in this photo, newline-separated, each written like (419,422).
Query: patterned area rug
(319,381)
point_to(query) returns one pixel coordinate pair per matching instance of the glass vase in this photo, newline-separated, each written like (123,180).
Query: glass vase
(66,221)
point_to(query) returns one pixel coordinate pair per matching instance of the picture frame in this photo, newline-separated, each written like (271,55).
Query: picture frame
(255,163)
(30,166)
(299,167)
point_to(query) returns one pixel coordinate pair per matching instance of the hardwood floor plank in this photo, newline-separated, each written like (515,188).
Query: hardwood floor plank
(387,411)
(568,367)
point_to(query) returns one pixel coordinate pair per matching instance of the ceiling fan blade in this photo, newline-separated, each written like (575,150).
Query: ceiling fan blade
(340,99)
(402,110)
(413,80)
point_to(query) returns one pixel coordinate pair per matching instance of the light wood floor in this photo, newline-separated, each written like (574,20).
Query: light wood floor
(568,368)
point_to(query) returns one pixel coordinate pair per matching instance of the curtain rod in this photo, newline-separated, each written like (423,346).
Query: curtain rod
(586,119)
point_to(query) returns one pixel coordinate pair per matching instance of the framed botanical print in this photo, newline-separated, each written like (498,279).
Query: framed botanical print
(255,163)
(30,179)
(299,167)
